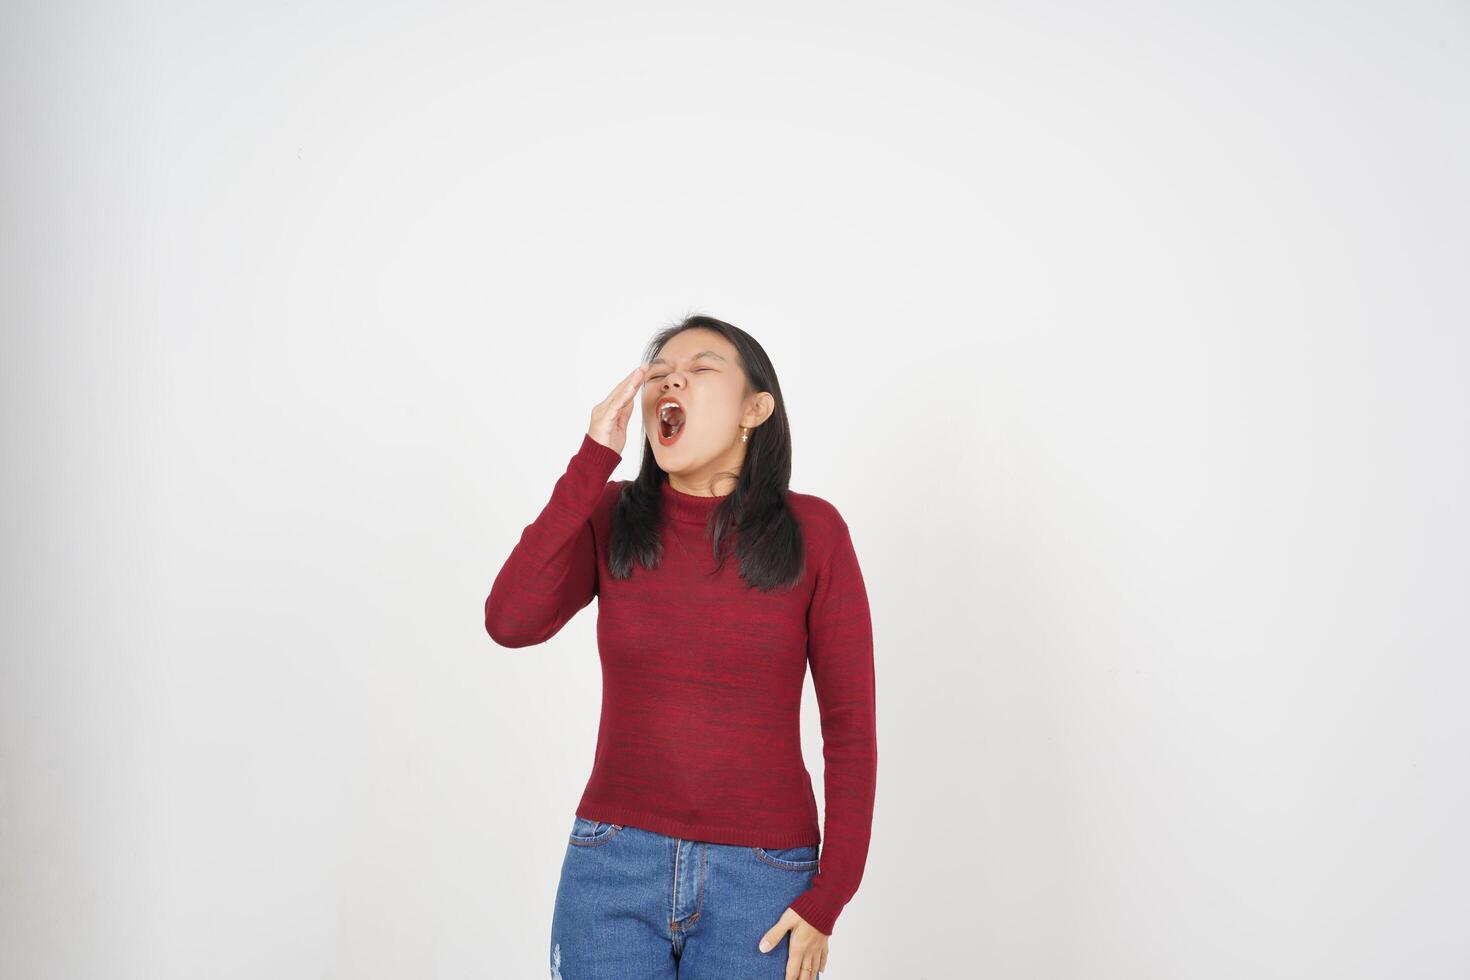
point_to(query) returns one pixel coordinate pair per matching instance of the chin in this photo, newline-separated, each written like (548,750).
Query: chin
(680,457)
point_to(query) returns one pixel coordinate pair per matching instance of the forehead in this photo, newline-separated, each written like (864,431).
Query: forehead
(696,345)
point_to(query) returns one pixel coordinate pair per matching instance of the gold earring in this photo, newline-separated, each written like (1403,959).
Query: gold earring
(744,434)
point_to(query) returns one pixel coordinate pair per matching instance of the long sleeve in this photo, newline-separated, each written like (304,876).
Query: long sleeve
(552,571)
(840,653)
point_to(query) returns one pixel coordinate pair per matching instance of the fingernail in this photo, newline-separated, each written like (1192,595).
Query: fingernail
(765,946)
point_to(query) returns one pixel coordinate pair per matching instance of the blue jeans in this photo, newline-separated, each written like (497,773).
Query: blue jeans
(637,905)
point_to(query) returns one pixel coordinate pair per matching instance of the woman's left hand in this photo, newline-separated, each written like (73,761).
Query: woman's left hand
(806,955)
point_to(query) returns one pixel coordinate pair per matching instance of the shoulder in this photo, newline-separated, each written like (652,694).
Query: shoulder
(819,518)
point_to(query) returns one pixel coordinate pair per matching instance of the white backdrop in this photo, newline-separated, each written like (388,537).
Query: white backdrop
(1130,339)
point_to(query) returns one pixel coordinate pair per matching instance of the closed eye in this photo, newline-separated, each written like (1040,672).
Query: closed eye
(655,377)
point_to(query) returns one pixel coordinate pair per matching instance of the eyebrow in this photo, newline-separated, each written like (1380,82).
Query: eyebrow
(703,353)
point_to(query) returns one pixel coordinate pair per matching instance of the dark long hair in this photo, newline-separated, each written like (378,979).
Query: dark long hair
(755,516)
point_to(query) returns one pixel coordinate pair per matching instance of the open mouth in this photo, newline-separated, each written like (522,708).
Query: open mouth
(670,421)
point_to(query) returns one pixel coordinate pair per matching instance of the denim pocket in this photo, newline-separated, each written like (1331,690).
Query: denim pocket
(590,833)
(803,857)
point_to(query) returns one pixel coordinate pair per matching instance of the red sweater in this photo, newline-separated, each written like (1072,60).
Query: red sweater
(702,676)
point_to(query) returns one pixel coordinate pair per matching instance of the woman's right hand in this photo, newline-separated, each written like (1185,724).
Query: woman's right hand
(610,418)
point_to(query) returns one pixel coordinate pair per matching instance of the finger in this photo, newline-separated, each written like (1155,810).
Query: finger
(625,411)
(640,373)
(626,387)
(799,961)
(773,935)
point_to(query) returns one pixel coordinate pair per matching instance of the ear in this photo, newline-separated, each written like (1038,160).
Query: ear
(762,404)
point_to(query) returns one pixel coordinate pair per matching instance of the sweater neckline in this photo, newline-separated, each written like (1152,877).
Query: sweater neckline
(688,508)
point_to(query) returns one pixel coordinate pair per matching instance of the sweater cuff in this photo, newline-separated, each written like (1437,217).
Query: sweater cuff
(594,453)
(811,907)
(577,492)
(579,489)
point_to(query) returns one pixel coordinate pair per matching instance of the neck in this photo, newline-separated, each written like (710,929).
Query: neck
(689,508)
